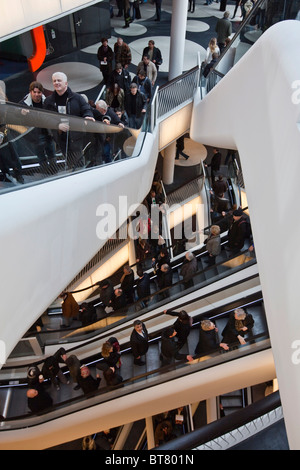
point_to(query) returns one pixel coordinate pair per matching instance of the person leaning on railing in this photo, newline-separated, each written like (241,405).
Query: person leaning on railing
(238,326)
(170,347)
(63,100)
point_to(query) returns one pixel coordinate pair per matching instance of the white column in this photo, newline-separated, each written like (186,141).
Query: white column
(211,410)
(150,432)
(168,165)
(178,30)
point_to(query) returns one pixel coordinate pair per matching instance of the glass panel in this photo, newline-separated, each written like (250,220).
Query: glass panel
(36,145)
(256,21)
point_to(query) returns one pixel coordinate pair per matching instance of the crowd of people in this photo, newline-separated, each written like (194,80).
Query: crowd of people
(125,105)
(42,381)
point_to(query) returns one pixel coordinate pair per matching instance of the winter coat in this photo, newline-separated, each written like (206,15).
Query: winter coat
(138,343)
(188,269)
(70,307)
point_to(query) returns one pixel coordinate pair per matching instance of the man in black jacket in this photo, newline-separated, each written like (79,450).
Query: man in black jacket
(38,400)
(135,106)
(170,347)
(238,232)
(214,164)
(120,76)
(139,342)
(64,101)
(143,286)
(154,53)
(45,147)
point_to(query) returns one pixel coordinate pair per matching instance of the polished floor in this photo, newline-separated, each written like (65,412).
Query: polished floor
(82,67)
(84,76)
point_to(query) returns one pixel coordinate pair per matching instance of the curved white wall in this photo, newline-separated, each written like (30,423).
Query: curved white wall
(255,108)
(49,232)
(192,388)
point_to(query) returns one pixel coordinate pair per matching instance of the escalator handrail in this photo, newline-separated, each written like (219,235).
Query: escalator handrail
(160,370)
(161,291)
(224,425)
(213,314)
(168,248)
(104,331)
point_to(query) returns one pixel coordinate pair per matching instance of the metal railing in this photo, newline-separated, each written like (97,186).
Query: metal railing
(174,95)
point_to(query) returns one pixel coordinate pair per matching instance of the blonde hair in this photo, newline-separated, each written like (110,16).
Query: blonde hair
(212,44)
(88,443)
(206,325)
(106,349)
(215,230)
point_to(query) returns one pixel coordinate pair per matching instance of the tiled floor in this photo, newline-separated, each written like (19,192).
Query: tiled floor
(82,67)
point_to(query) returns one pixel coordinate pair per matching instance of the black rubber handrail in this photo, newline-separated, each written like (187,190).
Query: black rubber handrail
(161,370)
(223,425)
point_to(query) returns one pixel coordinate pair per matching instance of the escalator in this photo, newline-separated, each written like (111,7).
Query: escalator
(229,270)
(70,404)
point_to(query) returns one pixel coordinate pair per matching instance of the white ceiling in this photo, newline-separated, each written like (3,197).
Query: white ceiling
(19,16)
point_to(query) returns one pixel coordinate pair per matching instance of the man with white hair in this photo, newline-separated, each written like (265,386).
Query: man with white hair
(106,114)
(64,101)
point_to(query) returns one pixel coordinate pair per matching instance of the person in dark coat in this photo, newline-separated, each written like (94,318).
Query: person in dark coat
(182,325)
(135,106)
(118,301)
(210,65)
(237,232)
(144,84)
(63,100)
(188,269)
(180,148)
(52,371)
(74,365)
(106,292)
(163,258)
(87,314)
(143,250)
(208,338)
(110,356)
(127,283)
(87,382)
(120,76)
(111,376)
(139,342)
(105,56)
(219,186)
(143,286)
(38,400)
(106,114)
(214,164)
(170,347)
(45,148)
(164,279)
(238,326)
(154,53)
(35,378)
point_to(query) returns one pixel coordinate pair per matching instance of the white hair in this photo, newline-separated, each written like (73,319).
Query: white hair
(61,74)
(101,104)
(189,255)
